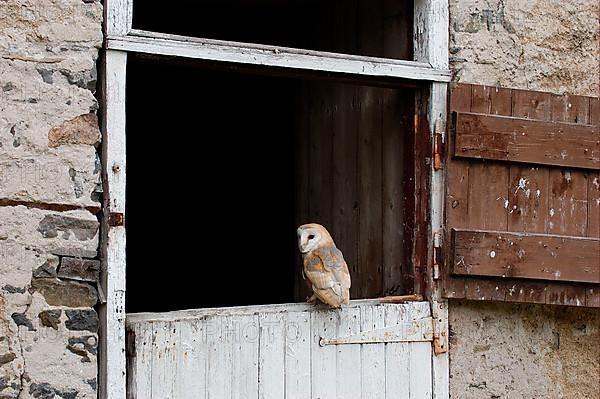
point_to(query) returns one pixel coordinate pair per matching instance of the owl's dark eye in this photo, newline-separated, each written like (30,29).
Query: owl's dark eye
(311,236)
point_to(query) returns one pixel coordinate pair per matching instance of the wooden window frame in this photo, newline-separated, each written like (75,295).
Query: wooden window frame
(430,67)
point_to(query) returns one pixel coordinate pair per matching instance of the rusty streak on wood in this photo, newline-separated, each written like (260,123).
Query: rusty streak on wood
(522,140)
(531,256)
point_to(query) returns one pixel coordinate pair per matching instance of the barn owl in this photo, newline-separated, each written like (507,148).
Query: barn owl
(324,265)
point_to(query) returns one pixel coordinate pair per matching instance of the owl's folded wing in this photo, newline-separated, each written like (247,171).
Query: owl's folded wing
(326,268)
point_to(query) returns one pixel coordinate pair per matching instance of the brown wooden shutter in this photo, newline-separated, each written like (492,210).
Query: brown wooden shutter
(523,196)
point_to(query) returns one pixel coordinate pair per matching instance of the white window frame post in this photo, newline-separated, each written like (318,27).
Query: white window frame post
(431,30)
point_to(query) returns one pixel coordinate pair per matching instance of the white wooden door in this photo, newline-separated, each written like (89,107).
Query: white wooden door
(365,350)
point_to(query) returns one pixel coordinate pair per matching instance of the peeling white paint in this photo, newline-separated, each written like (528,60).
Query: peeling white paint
(522,185)
(596,183)
(551,212)
(567,173)
(557,274)
(492,254)
(563,154)
(537,193)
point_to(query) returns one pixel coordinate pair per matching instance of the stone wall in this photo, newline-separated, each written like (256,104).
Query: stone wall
(525,351)
(49,197)
(546,45)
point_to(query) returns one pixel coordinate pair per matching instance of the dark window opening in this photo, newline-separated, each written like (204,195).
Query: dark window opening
(363,27)
(243,158)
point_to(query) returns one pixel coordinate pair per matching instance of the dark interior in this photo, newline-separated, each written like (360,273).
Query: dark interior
(263,155)
(380,28)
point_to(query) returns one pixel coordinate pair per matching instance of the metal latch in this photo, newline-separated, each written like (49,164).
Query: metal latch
(414,331)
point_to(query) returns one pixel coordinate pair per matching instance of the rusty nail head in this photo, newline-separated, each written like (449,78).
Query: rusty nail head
(116,219)
(116,168)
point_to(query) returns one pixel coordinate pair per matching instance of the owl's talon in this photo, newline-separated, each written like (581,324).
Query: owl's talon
(312,299)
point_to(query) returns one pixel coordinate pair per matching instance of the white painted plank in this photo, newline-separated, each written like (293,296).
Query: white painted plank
(397,356)
(297,355)
(112,381)
(164,360)
(139,371)
(324,323)
(219,357)
(372,355)
(118,16)
(420,370)
(244,376)
(218,50)
(271,356)
(348,357)
(193,360)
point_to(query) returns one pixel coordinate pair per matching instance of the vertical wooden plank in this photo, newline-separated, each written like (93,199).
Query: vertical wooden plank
(297,356)
(324,323)
(302,176)
(420,370)
(370,28)
(397,30)
(573,109)
(594,111)
(488,188)
(593,229)
(320,155)
(568,189)
(395,130)
(193,360)
(348,357)
(345,200)
(592,297)
(119,14)
(243,339)
(568,202)
(397,356)
(373,355)
(141,381)
(164,359)
(112,376)
(565,294)
(529,185)
(457,208)
(369,161)
(567,196)
(218,376)
(271,356)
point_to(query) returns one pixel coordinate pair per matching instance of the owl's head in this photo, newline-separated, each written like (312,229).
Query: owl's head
(312,236)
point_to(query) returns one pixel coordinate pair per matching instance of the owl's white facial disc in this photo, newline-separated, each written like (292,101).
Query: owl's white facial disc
(308,239)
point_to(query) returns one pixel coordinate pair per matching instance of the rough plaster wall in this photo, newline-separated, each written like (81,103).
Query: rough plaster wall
(545,45)
(49,178)
(525,351)
(500,350)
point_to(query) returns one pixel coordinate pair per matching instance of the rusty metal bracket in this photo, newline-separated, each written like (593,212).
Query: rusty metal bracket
(116,219)
(440,324)
(415,331)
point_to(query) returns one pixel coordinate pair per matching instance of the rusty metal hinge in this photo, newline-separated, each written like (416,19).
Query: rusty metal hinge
(437,254)
(116,219)
(440,328)
(438,145)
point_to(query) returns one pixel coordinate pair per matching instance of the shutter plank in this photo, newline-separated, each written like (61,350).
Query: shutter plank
(533,256)
(522,140)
